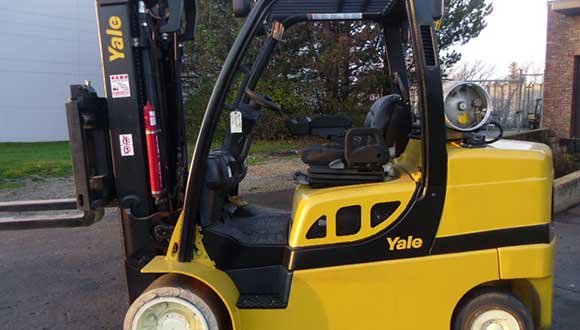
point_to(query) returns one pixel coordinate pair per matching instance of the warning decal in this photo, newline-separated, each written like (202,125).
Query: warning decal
(120,86)
(236,122)
(126,141)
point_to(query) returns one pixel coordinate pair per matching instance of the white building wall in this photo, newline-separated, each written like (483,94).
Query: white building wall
(45,46)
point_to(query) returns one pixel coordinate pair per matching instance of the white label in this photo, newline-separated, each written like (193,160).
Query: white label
(236,122)
(127,148)
(152,118)
(339,16)
(120,87)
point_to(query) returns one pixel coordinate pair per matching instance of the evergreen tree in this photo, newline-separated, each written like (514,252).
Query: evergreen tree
(320,67)
(514,71)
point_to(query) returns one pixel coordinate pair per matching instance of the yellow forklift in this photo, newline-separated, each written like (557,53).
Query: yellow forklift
(409,222)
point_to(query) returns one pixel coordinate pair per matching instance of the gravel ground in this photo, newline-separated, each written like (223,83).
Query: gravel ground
(275,175)
(52,188)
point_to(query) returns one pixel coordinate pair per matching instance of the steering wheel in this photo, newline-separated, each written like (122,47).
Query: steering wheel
(262,100)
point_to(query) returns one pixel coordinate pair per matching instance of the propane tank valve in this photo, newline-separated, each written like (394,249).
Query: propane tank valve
(468,109)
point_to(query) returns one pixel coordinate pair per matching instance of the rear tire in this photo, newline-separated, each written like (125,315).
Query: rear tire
(493,310)
(175,302)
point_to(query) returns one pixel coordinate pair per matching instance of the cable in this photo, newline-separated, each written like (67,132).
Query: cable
(500,135)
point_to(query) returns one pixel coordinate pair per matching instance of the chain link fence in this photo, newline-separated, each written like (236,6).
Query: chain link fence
(518,104)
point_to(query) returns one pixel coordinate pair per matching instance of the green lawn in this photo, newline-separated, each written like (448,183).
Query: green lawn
(262,151)
(33,160)
(275,147)
(52,159)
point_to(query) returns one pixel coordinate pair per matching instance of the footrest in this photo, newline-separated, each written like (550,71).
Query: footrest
(261,302)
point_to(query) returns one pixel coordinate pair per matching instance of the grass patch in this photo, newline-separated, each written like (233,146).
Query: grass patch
(263,151)
(275,147)
(7,185)
(33,160)
(52,159)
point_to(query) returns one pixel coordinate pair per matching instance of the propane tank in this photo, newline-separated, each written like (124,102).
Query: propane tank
(467,106)
(152,133)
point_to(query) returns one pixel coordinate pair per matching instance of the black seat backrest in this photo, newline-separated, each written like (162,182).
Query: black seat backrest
(364,148)
(393,117)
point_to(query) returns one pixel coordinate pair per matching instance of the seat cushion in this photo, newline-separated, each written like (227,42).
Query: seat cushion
(319,155)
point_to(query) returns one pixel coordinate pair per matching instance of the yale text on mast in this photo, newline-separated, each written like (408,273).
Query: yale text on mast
(117,45)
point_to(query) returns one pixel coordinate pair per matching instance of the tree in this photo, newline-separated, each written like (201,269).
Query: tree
(216,32)
(463,21)
(514,71)
(344,64)
(320,67)
(476,70)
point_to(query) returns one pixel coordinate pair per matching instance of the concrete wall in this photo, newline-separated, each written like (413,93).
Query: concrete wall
(46,46)
(566,192)
(563,45)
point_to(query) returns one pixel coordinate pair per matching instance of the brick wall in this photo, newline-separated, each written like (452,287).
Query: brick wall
(562,47)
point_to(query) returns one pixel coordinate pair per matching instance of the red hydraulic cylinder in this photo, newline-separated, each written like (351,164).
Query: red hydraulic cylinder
(152,133)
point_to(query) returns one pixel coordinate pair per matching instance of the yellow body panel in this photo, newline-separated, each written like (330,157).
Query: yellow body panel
(528,261)
(505,186)
(200,268)
(485,190)
(310,204)
(535,264)
(411,160)
(416,293)
(419,293)
(545,298)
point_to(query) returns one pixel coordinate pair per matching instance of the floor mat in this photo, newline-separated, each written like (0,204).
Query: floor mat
(267,226)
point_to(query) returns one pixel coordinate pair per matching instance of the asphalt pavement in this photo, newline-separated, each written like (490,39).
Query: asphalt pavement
(73,278)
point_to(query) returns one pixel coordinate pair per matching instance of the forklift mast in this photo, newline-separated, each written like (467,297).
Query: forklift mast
(129,148)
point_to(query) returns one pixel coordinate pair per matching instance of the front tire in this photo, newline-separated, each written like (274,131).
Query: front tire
(493,310)
(174,303)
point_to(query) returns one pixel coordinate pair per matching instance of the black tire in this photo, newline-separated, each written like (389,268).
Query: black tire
(175,286)
(484,301)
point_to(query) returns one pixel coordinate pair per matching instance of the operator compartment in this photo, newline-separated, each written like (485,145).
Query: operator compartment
(505,185)
(353,189)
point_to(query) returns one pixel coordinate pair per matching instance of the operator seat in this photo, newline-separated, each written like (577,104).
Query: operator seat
(389,115)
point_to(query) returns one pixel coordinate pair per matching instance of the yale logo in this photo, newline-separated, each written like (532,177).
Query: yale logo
(117,46)
(399,243)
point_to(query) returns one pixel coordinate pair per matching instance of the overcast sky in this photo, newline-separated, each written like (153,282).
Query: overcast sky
(516,32)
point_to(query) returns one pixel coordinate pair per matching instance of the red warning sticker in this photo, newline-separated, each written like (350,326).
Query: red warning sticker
(120,86)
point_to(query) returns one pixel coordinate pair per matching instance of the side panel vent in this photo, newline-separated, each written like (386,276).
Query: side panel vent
(318,229)
(383,211)
(428,48)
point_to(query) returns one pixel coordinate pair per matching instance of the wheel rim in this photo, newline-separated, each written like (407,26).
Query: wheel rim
(495,319)
(169,313)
